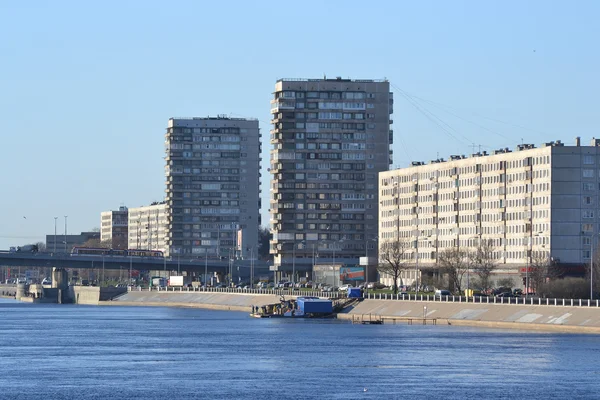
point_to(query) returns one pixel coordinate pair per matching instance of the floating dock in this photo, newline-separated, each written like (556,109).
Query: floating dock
(368,319)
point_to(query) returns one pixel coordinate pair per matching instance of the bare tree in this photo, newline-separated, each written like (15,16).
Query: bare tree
(482,262)
(539,270)
(41,246)
(97,243)
(393,259)
(454,262)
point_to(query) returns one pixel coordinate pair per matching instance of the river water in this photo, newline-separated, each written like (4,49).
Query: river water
(87,352)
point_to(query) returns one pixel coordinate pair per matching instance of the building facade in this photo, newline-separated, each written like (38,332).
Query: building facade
(528,204)
(330,140)
(213,186)
(148,227)
(113,228)
(61,243)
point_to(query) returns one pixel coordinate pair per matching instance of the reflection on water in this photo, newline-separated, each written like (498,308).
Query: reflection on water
(117,352)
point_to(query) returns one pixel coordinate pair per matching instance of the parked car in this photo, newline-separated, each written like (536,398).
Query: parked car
(442,293)
(518,292)
(505,294)
(345,287)
(376,285)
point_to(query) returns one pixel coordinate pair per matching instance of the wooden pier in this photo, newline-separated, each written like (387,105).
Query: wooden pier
(368,319)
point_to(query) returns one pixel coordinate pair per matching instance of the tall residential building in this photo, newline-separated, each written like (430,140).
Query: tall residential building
(148,227)
(529,204)
(213,186)
(330,139)
(113,228)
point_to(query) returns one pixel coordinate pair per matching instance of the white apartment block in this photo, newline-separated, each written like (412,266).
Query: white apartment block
(530,202)
(113,228)
(148,227)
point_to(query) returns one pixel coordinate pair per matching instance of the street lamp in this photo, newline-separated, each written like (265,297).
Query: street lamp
(367,257)
(592,242)
(205,268)
(294,261)
(55,219)
(66,233)
(530,262)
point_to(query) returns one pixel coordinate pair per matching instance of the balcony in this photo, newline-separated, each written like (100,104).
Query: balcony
(278,105)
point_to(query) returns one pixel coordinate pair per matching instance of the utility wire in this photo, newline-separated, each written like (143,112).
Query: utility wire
(433,118)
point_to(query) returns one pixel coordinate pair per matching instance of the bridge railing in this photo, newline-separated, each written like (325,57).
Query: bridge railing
(529,301)
(279,292)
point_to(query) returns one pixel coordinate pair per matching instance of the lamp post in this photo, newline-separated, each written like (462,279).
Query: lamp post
(205,267)
(294,261)
(367,265)
(592,265)
(66,233)
(130,268)
(55,219)
(252,267)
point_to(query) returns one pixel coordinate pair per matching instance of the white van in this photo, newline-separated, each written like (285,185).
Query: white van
(442,293)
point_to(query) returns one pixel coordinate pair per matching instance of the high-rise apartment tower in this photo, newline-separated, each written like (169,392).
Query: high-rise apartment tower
(213,180)
(330,139)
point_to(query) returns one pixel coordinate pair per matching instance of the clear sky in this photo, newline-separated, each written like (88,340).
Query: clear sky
(87,88)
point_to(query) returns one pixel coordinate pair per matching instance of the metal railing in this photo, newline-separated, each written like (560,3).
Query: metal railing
(278,292)
(529,301)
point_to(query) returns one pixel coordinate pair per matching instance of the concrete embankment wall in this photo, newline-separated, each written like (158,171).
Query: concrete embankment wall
(92,295)
(209,300)
(547,318)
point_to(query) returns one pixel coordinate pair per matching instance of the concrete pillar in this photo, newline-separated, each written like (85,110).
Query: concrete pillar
(21,289)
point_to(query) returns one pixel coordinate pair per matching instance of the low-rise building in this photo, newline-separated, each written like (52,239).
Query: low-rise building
(147,227)
(61,243)
(113,228)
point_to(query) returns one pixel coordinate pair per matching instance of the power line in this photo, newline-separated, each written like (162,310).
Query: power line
(433,118)
(442,106)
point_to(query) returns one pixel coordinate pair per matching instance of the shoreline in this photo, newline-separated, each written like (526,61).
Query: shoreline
(565,319)
(493,324)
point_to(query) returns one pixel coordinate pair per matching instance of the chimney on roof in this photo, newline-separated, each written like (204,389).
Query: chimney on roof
(577,141)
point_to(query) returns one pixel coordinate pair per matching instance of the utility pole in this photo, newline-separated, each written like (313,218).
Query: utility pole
(205,268)
(55,218)
(66,233)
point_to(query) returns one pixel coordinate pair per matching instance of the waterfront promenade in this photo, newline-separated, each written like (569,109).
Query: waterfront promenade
(557,318)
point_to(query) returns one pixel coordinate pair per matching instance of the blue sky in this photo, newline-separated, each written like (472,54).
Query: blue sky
(86,90)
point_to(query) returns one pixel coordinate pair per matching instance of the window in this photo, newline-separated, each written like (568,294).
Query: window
(588,159)
(588,187)
(587,227)
(588,173)
(587,214)
(588,200)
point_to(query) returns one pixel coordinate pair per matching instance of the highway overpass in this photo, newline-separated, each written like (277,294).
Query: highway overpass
(65,260)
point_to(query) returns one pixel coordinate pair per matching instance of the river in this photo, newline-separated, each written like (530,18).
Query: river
(88,352)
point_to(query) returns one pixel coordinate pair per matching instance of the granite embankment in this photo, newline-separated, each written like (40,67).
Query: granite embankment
(210,300)
(531,317)
(546,318)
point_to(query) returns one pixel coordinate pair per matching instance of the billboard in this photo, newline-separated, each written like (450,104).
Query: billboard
(352,274)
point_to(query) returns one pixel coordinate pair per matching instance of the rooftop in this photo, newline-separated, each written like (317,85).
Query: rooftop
(325,79)
(521,147)
(218,117)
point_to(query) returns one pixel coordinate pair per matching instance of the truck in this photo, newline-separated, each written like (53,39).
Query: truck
(28,248)
(158,281)
(176,281)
